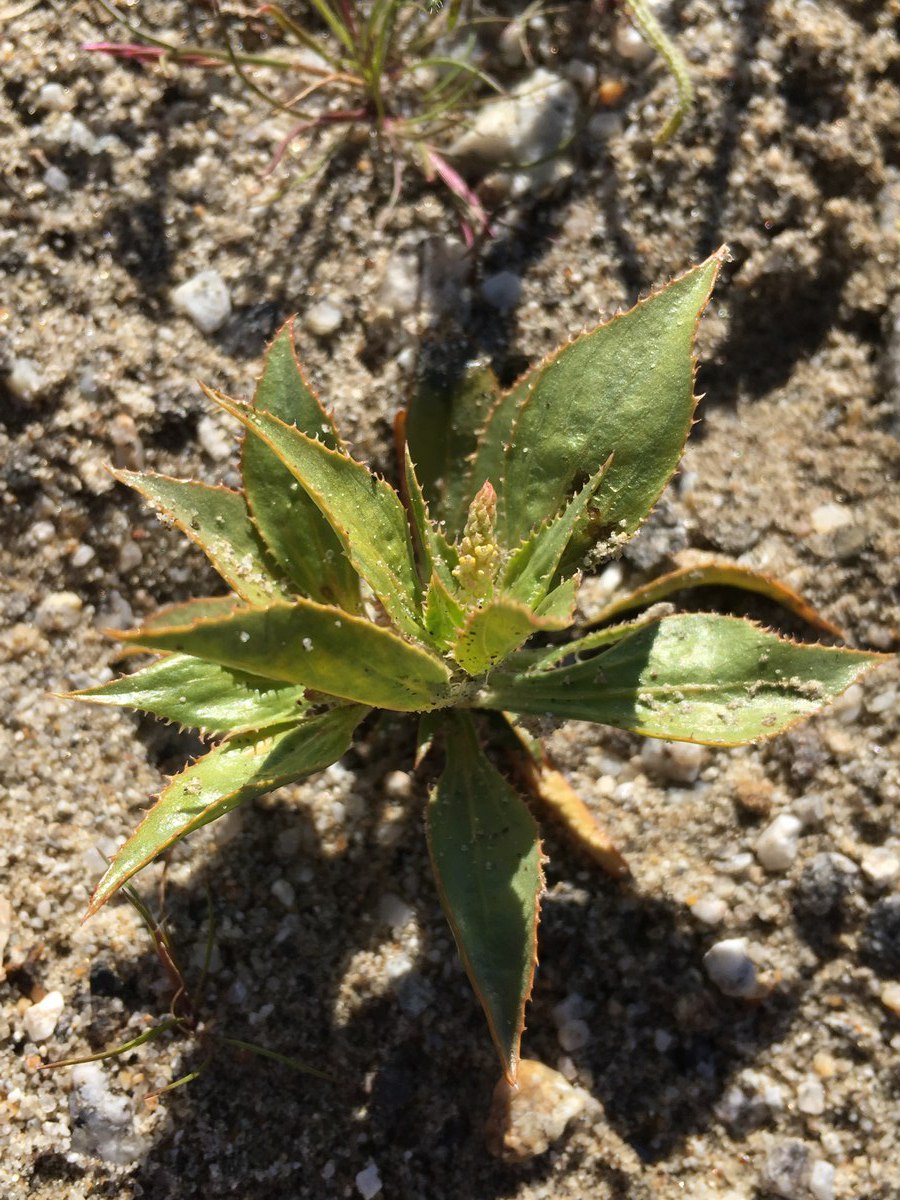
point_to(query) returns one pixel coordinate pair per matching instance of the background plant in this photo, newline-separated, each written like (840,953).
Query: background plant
(413,74)
(450,603)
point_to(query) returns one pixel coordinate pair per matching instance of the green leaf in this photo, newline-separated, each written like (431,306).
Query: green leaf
(435,553)
(496,630)
(703,678)
(238,770)
(444,617)
(218,521)
(532,568)
(318,646)
(625,389)
(364,511)
(486,856)
(299,538)
(184,613)
(202,695)
(487,463)
(720,573)
(442,427)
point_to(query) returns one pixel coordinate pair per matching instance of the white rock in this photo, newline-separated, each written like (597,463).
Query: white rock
(82,555)
(574,1034)
(55,97)
(205,299)
(730,967)
(41,1019)
(368,1181)
(502,291)
(710,910)
(880,865)
(283,892)
(776,846)
(214,439)
(883,702)
(630,43)
(679,762)
(848,706)
(524,129)
(102,1123)
(809,809)
(524,1120)
(829,517)
(821,1181)
(787,1169)
(398,784)
(56,180)
(24,379)
(323,318)
(811,1097)
(58,612)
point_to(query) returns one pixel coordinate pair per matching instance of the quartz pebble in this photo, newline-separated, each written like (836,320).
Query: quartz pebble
(730,967)
(880,865)
(205,299)
(24,379)
(574,1034)
(212,437)
(525,128)
(56,180)
(786,1171)
(525,1119)
(368,1181)
(102,1123)
(58,612)
(394,911)
(283,892)
(710,910)
(821,1181)
(502,291)
(679,762)
(324,319)
(776,846)
(811,1097)
(41,1019)
(829,517)
(883,702)
(890,998)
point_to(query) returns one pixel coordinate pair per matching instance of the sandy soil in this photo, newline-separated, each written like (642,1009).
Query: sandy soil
(329,940)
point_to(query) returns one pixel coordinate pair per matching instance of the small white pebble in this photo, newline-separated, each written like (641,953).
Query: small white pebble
(730,967)
(609,580)
(662,1041)
(574,1034)
(736,864)
(776,846)
(43,532)
(41,1019)
(883,702)
(630,43)
(890,998)
(811,1097)
(214,440)
(24,379)
(82,555)
(848,706)
(368,1181)
(130,557)
(679,762)
(55,97)
(398,784)
(880,865)
(502,291)
(323,319)
(829,517)
(821,1181)
(205,299)
(58,612)
(709,909)
(56,180)
(283,892)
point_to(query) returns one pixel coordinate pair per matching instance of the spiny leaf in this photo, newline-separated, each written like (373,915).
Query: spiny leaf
(700,677)
(202,695)
(299,538)
(494,631)
(434,552)
(443,615)
(625,389)
(364,511)
(238,770)
(532,567)
(486,856)
(184,613)
(721,572)
(218,521)
(318,646)
(442,426)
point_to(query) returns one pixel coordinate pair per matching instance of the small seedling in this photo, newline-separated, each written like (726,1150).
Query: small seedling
(185,1016)
(453,603)
(412,74)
